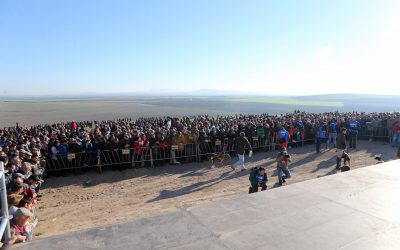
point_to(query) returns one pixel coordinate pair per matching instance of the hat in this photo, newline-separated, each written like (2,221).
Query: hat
(23,151)
(14,199)
(34,177)
(22,212)
(19,175)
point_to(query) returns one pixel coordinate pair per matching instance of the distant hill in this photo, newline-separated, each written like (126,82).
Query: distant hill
(371,103)
(346,96)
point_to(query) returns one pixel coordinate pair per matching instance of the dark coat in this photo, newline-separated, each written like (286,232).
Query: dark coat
(253,177)
(241,144)
(341,141)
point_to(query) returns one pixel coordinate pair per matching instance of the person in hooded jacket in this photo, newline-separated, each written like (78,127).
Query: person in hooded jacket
(258,178)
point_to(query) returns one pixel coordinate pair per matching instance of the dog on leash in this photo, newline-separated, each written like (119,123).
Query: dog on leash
(218,158)
(345,168)
(379,159)
(346,158)
(346,165)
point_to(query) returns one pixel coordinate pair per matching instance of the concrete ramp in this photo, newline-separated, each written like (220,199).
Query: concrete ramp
(355,210)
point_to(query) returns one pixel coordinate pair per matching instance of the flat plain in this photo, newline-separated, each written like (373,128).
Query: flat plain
(31,111)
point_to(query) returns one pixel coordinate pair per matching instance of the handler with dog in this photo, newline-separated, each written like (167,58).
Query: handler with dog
(341,147)
(241,144)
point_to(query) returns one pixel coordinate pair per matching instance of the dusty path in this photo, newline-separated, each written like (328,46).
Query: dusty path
(88,200)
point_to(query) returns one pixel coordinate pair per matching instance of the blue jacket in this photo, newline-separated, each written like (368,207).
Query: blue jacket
(353,127)
(321,132)
(283,136)
(63,150)
(332,127)
(255,178)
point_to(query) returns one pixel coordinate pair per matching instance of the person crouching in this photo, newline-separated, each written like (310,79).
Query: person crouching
(258,178)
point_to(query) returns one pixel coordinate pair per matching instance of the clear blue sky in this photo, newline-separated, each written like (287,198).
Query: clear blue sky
(299,47)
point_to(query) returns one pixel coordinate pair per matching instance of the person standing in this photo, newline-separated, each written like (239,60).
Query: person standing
(340,146)
(395,134)
(353,126)
(241,144)
(73,126)
(320,136)
(282,138)
(332,133)
(283,160)
(398,153)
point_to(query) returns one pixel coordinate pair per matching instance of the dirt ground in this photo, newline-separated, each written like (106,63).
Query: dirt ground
(88,200)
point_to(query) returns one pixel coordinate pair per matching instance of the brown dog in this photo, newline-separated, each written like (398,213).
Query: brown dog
(218,158)
(346,158)
(346,166)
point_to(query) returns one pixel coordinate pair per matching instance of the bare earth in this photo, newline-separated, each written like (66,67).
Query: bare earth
(88,200)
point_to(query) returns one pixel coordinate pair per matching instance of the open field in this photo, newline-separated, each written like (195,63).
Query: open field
(52,111)
(77,202)
(290,101)
(47,110)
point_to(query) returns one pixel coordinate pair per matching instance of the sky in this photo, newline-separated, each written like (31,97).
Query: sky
(269,47)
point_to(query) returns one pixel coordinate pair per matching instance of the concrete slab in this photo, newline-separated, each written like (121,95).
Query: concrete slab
(352,210)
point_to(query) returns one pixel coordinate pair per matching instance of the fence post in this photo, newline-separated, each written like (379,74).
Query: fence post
(151,157)
(197,152)
(5,221)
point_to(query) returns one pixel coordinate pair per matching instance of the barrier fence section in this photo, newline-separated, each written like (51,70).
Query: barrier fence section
(372,131)
(5,218)
(160,155)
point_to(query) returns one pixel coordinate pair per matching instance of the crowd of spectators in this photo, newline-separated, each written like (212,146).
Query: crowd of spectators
(55,141)
(25,150)
(23,178)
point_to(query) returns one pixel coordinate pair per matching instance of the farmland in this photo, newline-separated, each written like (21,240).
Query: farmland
(50,110)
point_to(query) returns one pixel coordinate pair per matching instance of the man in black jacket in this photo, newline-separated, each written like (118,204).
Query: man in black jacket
(241,144)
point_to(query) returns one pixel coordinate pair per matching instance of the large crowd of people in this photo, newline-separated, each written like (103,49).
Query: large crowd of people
(26,150)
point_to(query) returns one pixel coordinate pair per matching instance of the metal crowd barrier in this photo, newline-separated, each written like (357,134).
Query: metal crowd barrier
(370,132)
(5,218)
(171,154)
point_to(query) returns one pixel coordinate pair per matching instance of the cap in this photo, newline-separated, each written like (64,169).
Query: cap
(23,151)
(14,199)
(34,177)
(22,212)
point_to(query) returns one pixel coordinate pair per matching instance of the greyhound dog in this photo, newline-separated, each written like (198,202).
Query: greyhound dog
(212,158)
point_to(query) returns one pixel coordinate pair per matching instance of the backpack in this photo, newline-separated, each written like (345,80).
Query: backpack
(253,173)
(282,136)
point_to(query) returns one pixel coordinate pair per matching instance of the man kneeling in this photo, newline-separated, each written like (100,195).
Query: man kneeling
(258,178)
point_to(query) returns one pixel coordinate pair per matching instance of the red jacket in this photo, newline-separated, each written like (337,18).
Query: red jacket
(74,126)
(396,128)
(139,144)
(163,144)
